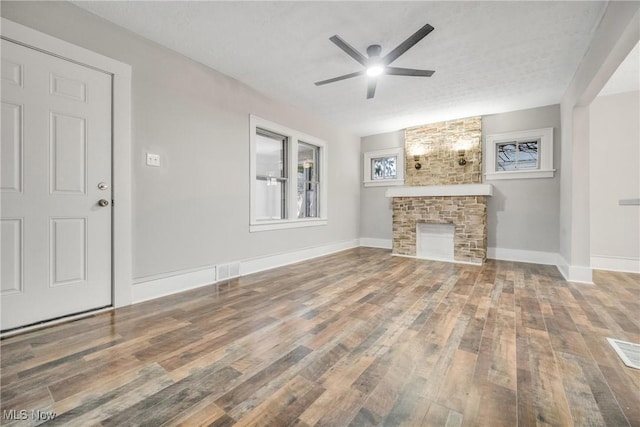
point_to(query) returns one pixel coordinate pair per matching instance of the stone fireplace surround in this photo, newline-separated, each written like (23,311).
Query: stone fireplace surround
(442,191)
(464,206)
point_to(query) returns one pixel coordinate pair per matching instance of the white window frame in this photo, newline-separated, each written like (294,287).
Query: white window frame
(398,153)
(293,136)
(545,154)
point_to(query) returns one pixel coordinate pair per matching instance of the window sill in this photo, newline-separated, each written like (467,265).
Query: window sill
(520,174)
(281,225)
(384,183)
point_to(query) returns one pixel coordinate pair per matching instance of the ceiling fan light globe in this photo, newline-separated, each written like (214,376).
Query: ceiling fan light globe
(375,70)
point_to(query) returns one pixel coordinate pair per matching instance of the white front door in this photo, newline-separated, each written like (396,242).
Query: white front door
(56,152)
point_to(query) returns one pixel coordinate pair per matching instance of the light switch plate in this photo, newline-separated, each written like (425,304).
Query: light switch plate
(153,159)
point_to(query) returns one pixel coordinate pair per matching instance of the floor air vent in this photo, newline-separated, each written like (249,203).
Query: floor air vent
(628,352)
(227,271)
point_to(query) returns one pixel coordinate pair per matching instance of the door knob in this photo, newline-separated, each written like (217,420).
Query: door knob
(103,186)
(103,202)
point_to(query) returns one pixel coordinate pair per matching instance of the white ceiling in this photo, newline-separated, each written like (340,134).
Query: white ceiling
(489,57)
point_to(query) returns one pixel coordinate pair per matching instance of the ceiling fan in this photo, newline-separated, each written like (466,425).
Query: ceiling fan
(376,65)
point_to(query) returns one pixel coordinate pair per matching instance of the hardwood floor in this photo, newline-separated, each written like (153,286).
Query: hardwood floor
(355,338)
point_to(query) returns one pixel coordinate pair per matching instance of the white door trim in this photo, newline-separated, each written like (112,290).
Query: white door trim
(121,72)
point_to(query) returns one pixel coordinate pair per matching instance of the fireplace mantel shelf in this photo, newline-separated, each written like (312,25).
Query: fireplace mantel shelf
(441,190)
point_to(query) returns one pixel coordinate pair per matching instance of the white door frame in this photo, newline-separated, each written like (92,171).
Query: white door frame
(121,166)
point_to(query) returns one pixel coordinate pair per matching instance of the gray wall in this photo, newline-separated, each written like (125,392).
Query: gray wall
(524,213)
(194,210)
(375,209)
(614,175)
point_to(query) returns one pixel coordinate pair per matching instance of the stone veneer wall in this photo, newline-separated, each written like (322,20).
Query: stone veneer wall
(440,142)
(467,213)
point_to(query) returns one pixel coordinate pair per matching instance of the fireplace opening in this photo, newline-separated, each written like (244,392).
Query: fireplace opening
(435,241)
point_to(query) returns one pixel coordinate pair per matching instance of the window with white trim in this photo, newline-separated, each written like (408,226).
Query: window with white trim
(517,155)
(383,167)
(308,166)
(271,175)
(288,177)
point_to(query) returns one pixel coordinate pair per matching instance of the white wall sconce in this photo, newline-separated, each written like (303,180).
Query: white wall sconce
(416,152)
(462,146)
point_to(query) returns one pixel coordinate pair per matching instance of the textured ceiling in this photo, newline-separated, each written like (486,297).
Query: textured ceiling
(489,57)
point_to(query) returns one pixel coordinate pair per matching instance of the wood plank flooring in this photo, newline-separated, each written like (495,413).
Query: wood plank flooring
(357,338)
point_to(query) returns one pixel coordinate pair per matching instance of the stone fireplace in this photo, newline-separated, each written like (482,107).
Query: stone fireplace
(464,206)
(443,191)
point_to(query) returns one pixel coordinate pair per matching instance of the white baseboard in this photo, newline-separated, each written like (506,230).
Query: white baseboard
(571,273)
(256,265)
(151,287)
(160,285)
(521,255)
(371,242)
(574,273)
(603,262)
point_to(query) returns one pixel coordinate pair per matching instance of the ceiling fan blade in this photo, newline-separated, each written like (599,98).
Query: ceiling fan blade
(337,79)
(407,44)
(395,71)
(349,50)
(371,88)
